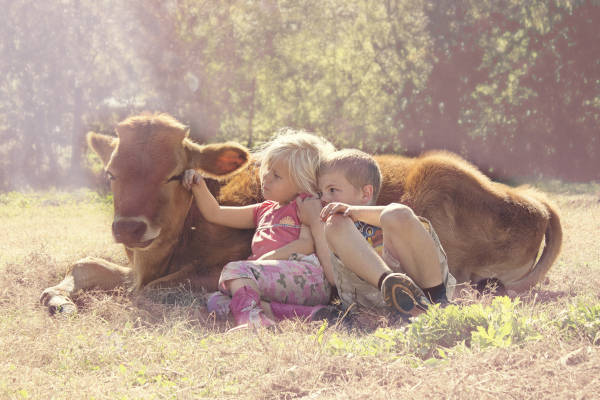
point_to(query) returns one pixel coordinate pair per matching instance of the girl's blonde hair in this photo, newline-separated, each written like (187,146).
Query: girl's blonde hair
(303,153)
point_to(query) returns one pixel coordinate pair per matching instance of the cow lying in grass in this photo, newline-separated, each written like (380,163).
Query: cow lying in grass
(489,230)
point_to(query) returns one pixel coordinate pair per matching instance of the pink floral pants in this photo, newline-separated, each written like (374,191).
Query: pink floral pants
(285,281)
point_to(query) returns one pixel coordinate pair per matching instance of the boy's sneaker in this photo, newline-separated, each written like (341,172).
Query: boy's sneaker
(401,292)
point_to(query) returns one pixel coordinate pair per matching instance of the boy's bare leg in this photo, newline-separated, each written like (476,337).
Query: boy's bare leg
(353,250)
(398,290)
(409,242)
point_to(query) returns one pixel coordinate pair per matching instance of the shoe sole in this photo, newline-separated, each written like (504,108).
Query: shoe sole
(399,293)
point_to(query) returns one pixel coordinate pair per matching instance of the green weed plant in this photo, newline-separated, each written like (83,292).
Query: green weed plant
(500,324)
(435,333)
(581,319)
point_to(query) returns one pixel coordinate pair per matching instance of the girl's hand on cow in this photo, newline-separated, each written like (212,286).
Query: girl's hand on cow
(190,178)
(337,208)
(309,209)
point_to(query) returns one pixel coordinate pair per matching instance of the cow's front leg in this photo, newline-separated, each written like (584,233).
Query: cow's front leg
(87,273)
(207,279)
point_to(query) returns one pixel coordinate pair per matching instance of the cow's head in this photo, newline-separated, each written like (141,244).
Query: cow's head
(145,163)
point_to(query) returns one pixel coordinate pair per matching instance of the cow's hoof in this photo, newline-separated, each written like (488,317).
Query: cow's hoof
(62,308)
(57,303)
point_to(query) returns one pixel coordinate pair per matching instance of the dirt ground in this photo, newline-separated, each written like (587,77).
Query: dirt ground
(126,347)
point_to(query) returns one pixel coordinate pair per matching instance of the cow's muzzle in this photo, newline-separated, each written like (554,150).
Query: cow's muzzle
(132,232)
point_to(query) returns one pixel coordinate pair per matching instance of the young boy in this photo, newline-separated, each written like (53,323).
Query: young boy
(401,253)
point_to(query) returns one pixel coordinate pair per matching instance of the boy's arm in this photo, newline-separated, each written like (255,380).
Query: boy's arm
(367,214)
(302,245)
(308,211)
(234,217)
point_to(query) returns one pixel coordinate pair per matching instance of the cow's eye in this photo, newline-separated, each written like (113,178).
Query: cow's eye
(110,176)
(175,178)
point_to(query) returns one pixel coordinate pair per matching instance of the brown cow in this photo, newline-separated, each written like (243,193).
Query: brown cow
(489,230)
(165,238)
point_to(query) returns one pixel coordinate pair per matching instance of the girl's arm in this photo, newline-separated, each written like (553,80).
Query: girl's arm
(233,217)
(322,250)
(308,211)
(303,245)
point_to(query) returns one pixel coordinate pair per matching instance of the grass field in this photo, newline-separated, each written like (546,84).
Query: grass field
(119,346)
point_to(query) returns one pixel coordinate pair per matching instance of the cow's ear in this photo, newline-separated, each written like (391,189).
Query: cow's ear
(217,160)
(103,145)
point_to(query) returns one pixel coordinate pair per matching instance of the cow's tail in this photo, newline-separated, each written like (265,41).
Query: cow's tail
(553,243)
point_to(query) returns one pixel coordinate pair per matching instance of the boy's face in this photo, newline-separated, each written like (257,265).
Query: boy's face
(334,187)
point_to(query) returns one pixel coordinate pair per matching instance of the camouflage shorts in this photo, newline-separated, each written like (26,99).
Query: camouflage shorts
(353,289)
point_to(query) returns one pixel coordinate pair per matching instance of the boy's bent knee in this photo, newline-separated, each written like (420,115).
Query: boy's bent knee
(336,226)
(396,216)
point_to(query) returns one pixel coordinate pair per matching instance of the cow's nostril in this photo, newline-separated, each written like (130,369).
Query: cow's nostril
(128,231)
(139,229)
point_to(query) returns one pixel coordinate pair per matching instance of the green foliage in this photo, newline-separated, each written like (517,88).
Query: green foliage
(60,71)
(443,330)
(505,326)
(513,86)
(381,343)
(498,325)
(12,202)
(582,319)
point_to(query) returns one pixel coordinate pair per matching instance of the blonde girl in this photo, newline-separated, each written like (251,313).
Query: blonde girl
(283,270)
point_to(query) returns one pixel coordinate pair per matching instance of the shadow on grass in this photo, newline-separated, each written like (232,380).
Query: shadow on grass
(545,296)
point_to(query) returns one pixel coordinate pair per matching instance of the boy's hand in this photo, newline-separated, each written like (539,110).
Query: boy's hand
(337,208)
(309,209)
(190,178)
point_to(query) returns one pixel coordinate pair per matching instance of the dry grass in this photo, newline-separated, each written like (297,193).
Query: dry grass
(127,347)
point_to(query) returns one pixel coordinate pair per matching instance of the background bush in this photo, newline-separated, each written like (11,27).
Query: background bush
(513,86)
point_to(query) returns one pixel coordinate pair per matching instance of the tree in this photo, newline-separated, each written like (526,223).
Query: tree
(58,68)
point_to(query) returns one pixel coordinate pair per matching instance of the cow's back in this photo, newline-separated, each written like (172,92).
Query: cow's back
(486,227)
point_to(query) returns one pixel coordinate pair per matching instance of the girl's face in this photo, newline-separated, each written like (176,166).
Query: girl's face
(277,184)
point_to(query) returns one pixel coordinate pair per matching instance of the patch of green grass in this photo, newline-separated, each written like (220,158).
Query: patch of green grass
(581,319)
(442,331)
(501,324)
(382,343)
(53,198)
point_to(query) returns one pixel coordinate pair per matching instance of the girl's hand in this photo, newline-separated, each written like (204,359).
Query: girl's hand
(190,178)
(337,208)
(309,209)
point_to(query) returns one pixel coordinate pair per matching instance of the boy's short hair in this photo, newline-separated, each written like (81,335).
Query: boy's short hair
(302,151)
(359,168)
